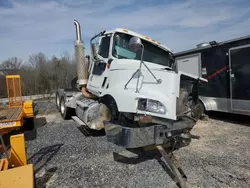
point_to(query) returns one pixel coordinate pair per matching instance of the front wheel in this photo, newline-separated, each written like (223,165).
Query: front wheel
(202,110)
(65,111)
(188,106)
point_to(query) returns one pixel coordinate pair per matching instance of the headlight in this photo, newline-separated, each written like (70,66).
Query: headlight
(151,106)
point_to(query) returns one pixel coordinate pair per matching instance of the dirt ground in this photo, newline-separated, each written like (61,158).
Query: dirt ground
(64,157)
(220,158)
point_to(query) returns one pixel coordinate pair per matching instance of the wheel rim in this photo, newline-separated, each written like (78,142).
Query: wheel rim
(62,107)
(57,101)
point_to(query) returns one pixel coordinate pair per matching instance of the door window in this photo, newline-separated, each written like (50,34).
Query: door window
(103,51)
(104,47)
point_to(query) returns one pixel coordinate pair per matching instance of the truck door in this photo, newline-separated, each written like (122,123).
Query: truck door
(98,69)
(239,62)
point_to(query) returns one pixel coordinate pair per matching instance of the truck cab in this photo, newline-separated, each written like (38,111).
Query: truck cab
(113,72)
(132,88)
(113,52)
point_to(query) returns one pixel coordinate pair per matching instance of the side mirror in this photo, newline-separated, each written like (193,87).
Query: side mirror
(93,49)
(135,43)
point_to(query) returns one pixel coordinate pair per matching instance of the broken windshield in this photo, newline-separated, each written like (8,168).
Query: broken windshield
(152,53)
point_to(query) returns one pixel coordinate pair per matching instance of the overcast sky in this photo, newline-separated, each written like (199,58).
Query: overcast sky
(32,26)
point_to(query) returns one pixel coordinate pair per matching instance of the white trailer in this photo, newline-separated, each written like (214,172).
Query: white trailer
(131,87)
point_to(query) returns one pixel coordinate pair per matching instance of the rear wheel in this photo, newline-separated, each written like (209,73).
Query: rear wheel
(58,102)
(65,111)
(74,83)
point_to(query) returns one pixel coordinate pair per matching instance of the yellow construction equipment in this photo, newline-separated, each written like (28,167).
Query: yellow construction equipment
(13,117)
(14,170)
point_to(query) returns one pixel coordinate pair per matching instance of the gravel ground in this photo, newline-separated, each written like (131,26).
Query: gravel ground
(64,157)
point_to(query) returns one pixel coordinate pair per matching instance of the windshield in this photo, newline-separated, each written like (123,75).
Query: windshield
(151,53)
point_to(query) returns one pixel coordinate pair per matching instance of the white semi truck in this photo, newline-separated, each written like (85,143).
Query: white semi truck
(130,87)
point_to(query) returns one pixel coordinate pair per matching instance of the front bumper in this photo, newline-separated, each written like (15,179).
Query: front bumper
(134,137)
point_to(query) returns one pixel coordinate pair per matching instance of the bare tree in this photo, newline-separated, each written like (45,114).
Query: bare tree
(40,75)
(12,65)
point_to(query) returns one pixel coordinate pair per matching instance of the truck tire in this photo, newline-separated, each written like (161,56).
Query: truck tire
(58,105)
(110,103)
(202,115)
(181,101)
(74,83)
(65,111)
(186,102)
(197,111)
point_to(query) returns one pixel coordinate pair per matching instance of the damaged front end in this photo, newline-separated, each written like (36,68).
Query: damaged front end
(172,134)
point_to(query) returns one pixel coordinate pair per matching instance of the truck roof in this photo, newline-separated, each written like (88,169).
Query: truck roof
(209,46)
(126,31)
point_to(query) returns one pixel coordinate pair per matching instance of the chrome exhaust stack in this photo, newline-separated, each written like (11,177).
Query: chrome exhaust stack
(78,31)
(82,66)
(81,63)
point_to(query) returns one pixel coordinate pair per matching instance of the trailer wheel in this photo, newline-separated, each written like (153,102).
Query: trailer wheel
(58,102)
(65,111)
